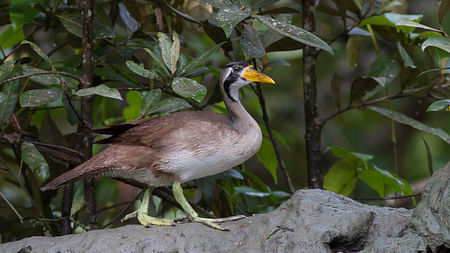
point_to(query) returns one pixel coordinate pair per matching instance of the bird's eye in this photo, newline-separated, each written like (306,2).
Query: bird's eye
(235,68)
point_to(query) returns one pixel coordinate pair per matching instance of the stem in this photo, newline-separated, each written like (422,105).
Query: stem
(258,91)
(312,124)
(65,210)
(84,142)
(40,73)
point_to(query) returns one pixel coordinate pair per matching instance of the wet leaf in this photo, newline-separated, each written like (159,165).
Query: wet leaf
(74,24)
(169,105)
(101,90)
(440,105)
(295,33)
(150,99)
(35,161)
(140,70)
(165,44)
(217,3)
(341,177)
(266,155)
(403,119)
(229,16)
(10,91)
(251,44)
(32,98)
(439,42)
(189,88)
(174,53)
(201,60)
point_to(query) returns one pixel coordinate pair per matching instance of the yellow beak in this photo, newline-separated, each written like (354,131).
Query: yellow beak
(252,75)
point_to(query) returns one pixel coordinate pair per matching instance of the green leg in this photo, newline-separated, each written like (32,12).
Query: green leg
(179,196)
(142,214)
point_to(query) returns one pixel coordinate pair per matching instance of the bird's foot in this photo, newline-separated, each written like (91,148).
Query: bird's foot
(210,222)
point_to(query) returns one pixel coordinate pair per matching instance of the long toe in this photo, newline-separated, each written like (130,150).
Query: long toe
(147,220)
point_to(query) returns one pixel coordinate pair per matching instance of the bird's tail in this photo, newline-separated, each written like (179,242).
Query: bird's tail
(65,178)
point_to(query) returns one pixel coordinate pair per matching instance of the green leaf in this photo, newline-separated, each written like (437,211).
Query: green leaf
(169,105)
(266,155)
(174,52)
(11,37)
(374,180)
(22,12)
(440,105)
(217,3)
(403,119)
(250,192)
(2,97)
(251,43)
(157,60)
(35,161)
(165,44)
(359,158)
(353,49)
(74,24)
(108,74)
(399,185)
(407,61)
(229,16)
(32,98)
(48,79)
(101,90)
(150,99)
(384,66)
(341,177)
(443,9)
(295,33)
(78,200)
(189,88)
(409,23)
(363,84)
(10,91)
(140,70)
(439,42)
(389,19)
(200,61)
(38,50)
(133,111)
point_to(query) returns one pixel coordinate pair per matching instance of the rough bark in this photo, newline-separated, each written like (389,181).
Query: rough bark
(311,221)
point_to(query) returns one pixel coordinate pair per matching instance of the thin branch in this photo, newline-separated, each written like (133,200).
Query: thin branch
(106,208)
(40,73)
(12,207)
(401,94)
(124,211)
(258,91)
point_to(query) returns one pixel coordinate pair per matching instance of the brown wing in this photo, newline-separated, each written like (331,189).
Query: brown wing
(142,143)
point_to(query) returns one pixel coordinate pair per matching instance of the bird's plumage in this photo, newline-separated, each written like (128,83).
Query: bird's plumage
(179,147)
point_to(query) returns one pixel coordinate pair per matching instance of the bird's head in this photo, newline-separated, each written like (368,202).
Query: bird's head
(238,74)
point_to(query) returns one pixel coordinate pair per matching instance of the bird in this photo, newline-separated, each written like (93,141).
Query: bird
(174,149)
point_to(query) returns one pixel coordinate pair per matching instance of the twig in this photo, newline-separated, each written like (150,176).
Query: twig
(12,207)
(391,198)
(40,73)
(124,211)
(401,94)
(106,208)
(258,91)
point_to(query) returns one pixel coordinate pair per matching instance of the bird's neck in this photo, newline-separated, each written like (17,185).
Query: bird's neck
(240,118)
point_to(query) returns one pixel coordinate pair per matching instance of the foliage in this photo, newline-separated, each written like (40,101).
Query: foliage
(149,64)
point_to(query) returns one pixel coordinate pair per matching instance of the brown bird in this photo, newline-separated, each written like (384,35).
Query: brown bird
(179,147)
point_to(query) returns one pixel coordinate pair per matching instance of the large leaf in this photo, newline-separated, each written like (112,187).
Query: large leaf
(407,61)
(361,85)
(341,177)
(439,42)
(157,60)
(101,90)
(74,24)
(440,105)
(169,105)
(140,70)
(11,37)
(189,88)
(229,16)
(133,111)
(10,91)
(174,52)
(201,60)
(150,99)
(165,44)
(251,43)
(399,185)
(266,155)
(35,161)
(32,98)
(21,12)
(48,79)
(295,33)
(384,66)
(358,158)
(39,51)
(373,179)
(403,119)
